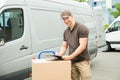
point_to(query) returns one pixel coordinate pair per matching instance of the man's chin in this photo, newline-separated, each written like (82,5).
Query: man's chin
(68,25)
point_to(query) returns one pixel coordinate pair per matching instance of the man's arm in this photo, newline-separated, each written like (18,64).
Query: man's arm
(63,48)
(83,44)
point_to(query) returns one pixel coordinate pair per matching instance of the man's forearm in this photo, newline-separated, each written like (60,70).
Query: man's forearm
(62,51)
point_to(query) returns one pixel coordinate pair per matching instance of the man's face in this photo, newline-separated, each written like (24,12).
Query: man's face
(68,20)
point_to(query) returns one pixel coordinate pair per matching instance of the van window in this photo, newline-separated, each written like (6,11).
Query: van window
(114,27)
(11,22)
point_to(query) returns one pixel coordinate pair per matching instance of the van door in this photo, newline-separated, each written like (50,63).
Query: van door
(17,44)
(113,35)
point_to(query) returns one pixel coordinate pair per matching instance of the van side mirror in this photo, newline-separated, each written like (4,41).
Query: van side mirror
(107,31)
(110,29)
(2,42)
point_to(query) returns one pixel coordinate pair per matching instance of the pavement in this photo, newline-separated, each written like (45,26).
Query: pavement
(106,66)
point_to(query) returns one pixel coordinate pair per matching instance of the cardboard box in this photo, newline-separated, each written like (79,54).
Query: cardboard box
(51,70)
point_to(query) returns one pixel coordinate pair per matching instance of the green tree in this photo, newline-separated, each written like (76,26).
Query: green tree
(116,12)
(81,0)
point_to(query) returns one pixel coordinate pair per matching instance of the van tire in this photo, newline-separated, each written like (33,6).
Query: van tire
(108,46)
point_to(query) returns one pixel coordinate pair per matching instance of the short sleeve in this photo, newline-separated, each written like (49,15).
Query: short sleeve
(83,31)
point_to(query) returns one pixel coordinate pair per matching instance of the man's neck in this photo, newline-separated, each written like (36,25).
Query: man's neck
(72,26)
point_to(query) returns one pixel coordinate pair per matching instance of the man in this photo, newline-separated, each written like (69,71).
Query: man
(76,39)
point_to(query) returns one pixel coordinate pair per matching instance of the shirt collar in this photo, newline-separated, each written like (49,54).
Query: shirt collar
(75,25)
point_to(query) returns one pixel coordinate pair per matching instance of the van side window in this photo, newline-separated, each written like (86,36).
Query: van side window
(12,24)
(114,27)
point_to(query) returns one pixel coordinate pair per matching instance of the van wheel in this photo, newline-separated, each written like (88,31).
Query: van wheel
(108,46)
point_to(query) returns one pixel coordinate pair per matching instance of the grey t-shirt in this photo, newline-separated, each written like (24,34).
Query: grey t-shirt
(72,39)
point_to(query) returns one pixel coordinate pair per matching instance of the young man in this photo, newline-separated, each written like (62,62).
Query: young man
(76,39)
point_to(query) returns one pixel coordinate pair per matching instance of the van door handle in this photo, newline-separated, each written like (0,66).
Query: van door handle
(100,35)
(95,36)
(23,47)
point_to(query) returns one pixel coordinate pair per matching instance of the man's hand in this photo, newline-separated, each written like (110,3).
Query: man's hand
(66,57)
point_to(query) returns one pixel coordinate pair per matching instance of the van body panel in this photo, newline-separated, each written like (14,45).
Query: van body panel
(11,2)
(45,26)
(99,19)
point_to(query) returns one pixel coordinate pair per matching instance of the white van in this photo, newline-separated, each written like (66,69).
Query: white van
(113,35)
(29,26)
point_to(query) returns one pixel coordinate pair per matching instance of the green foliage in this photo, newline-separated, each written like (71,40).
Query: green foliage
(106,26)
(115,13)
(82,0)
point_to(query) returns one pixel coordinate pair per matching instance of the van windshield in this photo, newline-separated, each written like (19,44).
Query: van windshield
(114,27)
